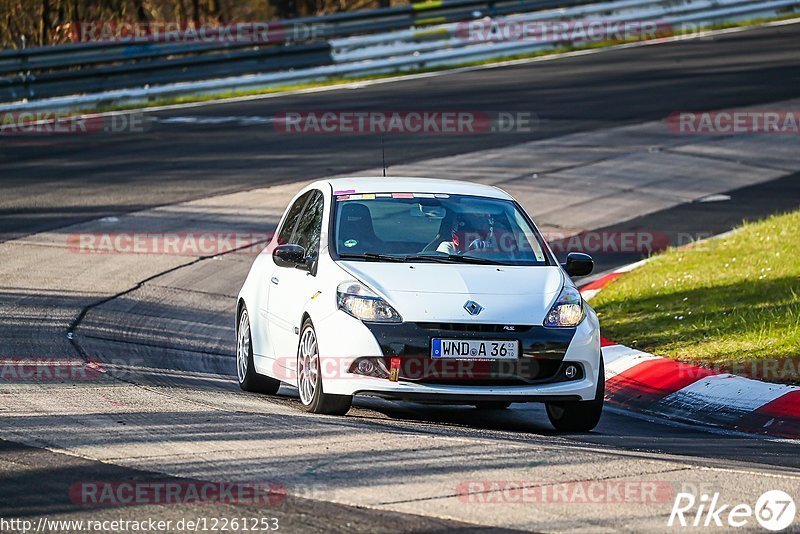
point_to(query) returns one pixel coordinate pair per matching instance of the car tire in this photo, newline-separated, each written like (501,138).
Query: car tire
(309,378)
(492,405)
(249,380)
(579,416)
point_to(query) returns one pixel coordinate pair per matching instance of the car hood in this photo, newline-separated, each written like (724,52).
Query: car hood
(435,292)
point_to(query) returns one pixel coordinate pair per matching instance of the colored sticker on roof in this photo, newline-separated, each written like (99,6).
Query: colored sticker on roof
(344,192)
(365,196)
(344,195)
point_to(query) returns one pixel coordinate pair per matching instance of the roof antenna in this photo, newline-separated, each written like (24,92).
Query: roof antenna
(383,156)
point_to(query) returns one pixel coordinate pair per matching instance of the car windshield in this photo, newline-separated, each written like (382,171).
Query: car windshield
(434,227)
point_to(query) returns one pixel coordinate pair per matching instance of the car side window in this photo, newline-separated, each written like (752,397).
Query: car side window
(309,226)
(286,231)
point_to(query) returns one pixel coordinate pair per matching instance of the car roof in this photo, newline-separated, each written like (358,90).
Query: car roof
(395,184)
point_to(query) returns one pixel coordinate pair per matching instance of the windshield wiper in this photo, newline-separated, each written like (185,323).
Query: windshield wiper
(374,256)
(437,258)
(453,258)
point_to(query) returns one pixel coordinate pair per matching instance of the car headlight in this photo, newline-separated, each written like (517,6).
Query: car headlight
(568,309)
(362,303)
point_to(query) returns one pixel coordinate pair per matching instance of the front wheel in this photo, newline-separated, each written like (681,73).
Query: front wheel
(579,416)
(249,380)
(309,378)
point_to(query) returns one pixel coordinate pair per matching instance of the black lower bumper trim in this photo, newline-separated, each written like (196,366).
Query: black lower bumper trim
(465,398)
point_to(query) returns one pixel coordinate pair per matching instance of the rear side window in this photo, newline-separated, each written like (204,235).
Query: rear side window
(285,233)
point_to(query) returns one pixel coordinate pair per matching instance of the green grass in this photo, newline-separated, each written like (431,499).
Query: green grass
(731,303)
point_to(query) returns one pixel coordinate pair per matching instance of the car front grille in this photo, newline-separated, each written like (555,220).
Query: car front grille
(475,327)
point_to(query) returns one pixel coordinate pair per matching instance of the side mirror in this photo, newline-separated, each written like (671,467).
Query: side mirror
(578,264)
(291,256)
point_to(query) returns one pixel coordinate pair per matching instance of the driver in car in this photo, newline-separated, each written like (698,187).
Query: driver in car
(468,234)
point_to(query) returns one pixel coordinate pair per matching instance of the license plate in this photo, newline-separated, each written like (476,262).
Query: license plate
(464,349)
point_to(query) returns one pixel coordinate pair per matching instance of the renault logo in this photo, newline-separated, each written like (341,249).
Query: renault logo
(473,308)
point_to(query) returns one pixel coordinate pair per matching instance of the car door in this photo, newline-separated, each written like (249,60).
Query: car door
(263,342)
(291,288)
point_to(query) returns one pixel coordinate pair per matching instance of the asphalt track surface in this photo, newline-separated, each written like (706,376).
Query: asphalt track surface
(51,182)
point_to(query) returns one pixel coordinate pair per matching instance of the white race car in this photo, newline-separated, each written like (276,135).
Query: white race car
(418,289)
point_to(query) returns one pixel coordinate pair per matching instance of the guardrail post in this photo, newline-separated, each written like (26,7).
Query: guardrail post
(491,9)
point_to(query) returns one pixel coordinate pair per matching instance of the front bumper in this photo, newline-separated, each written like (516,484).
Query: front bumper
(542,352)
(536,377)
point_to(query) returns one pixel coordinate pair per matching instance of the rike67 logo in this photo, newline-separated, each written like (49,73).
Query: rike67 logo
(775,510)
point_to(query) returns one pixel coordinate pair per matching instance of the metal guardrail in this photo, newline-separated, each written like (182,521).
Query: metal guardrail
(32,73)
(675,15)
(158,72)
(377,41)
